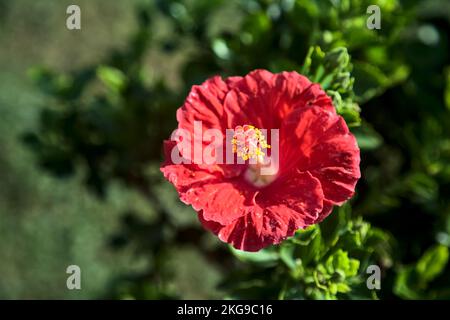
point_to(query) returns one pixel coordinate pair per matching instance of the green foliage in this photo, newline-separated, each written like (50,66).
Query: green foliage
(326,261)
(413,281)
(112,78)
(111,117)
(333,71)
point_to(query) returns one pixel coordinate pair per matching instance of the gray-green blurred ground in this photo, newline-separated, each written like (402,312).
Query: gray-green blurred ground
(46,223)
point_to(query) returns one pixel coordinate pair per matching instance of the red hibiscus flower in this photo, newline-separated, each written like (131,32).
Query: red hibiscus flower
(318,157)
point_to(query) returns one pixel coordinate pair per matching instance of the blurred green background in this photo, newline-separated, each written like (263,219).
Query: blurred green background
(84,113)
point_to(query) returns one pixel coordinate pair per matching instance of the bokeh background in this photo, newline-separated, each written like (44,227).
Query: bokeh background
(83,114)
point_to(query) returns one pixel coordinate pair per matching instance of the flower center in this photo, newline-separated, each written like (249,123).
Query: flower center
(249,142)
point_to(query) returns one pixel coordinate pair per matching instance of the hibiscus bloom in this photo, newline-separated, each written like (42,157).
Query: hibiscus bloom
(318,158)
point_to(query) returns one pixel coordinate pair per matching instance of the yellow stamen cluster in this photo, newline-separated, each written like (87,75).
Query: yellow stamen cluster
(248,142)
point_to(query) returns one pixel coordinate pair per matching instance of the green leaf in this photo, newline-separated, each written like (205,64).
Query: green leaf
(412,281)
(304,237)
(340,262)
(264,257)
(287,255)
(432,263)
(310,245)
(113,78)
(402,284)
(314,58)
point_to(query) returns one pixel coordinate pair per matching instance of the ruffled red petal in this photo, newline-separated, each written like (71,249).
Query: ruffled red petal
(204,103)
(289,207)
(264,99)
(319,142)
